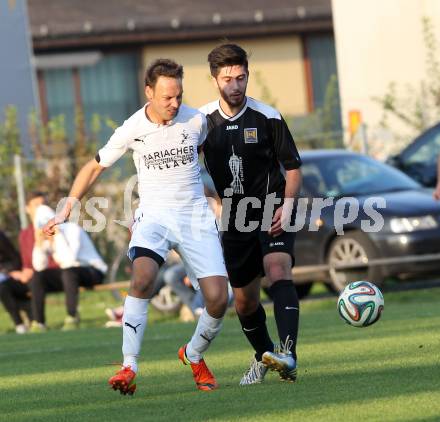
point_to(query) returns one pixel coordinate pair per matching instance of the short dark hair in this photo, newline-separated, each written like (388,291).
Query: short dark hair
(227,55)
(35,194)
(162,67)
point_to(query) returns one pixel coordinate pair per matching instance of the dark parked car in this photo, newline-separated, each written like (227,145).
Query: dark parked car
(411,219)
(419,159)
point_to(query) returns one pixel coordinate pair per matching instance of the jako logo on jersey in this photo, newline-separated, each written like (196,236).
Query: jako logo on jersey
(250,135)
(232,127)
(272,244)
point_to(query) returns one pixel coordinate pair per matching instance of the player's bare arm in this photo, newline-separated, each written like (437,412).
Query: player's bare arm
(293,185)
(82,183)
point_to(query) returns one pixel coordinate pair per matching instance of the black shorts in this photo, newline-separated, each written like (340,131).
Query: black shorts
(244,253)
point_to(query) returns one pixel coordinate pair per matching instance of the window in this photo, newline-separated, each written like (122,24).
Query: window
(60,96)
(109,88)
(321,57)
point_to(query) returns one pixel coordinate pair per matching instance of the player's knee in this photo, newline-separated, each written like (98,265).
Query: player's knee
(223,302)
(245,306)
(217,304)
(142,283)
(216,310)
(277,271)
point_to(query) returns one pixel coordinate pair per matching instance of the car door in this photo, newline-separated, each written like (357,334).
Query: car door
(310,239)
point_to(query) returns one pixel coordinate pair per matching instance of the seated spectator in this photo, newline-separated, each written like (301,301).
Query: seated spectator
(175,276)
(26,243)
(14,294)
(79,262)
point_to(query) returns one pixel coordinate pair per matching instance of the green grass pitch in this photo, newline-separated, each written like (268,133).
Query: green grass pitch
(387,372)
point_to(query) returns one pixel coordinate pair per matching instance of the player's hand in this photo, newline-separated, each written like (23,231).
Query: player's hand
(51,226)
(436,193)
(276,228)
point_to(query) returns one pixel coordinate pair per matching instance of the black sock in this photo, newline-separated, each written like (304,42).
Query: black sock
(255,329)
(286,310)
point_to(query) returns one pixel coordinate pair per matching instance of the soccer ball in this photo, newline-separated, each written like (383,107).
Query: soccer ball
(360,304)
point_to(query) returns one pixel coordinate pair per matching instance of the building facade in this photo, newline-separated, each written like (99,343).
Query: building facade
(92,55)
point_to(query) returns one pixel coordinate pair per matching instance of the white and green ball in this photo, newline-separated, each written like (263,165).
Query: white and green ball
(360,304)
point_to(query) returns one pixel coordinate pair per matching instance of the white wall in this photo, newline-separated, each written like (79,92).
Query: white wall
(378,42)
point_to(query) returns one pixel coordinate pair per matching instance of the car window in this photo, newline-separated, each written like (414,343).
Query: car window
(312,181)
(354,172)
(348,175)
(426,153)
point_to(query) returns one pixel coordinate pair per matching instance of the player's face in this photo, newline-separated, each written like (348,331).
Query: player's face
(232,83)
(164,99)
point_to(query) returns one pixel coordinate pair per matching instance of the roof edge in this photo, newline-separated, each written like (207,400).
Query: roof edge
(89,40)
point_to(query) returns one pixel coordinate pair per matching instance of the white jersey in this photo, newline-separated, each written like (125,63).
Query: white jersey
(165,157)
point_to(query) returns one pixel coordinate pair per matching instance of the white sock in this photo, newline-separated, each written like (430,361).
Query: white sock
(134,322)
(206,331)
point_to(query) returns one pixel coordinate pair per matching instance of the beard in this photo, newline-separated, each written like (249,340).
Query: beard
(233,99)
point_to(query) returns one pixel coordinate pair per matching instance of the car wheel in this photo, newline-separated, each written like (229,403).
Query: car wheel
(302,290)
(352,248)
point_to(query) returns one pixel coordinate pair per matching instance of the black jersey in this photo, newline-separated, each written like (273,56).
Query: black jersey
(243,153)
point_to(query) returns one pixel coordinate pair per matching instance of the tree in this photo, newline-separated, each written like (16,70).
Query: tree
(55,161)
(9,146)
(417,108)
(320,129)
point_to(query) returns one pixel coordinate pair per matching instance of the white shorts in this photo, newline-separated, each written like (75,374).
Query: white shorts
(193,234)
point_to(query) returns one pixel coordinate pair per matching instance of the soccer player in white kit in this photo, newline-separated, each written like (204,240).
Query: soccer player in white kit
(164,136)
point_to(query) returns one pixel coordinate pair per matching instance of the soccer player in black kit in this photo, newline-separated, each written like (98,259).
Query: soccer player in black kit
(246,145)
